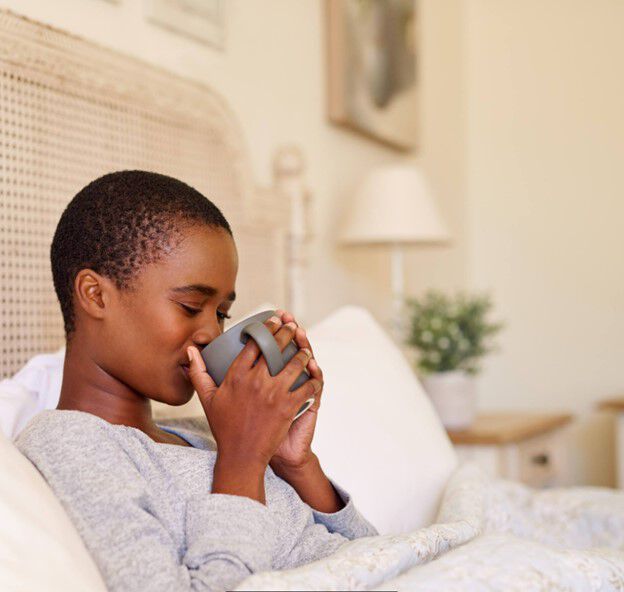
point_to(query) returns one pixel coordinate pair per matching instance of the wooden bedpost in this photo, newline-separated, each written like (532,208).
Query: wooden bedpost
(288,169)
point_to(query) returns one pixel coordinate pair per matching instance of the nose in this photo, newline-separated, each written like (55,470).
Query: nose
(203,337)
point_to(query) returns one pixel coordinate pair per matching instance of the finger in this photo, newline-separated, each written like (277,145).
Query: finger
(295,367)
(201,380)
(283,336)
(249,354)
(288,317)
(308,390)
(314,369)
(317,374)
(274,323)
(301,339)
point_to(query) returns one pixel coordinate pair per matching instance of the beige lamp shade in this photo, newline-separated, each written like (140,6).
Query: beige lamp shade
(393,205)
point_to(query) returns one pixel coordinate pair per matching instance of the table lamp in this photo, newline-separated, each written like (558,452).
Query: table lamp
(393,206)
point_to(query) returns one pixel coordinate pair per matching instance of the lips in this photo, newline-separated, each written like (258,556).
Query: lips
(185,369)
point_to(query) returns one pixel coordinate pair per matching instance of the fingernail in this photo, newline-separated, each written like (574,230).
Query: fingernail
(307,352)
(291,324)
(275,320)
(189,354)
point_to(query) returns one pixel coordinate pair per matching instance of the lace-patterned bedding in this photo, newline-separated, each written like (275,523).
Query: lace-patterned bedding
(490,534)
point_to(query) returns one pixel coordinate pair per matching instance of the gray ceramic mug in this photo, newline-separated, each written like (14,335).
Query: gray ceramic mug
(219,354)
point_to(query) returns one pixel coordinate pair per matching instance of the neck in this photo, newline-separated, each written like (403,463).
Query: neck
(88,387)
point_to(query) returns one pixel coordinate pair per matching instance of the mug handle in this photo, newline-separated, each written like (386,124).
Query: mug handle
(267,344)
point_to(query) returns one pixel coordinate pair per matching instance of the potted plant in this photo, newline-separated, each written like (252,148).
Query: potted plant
(451,335)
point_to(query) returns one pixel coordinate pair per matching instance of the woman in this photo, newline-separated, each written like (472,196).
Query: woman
(144,268)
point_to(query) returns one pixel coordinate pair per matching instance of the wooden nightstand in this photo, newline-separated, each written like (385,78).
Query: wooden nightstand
(617,406)
(519,446)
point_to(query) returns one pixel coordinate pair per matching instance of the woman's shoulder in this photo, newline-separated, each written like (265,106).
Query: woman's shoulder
(70,432)
(85,458)
(58,432)
(68,422)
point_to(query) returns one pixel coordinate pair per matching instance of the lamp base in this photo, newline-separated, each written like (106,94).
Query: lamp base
(397,328)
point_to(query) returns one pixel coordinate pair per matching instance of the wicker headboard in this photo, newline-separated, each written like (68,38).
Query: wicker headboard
(70,111)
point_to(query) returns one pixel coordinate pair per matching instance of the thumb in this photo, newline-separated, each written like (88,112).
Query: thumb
(202,381)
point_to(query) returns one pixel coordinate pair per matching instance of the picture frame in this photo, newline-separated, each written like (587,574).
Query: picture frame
(202,20)
(372,69)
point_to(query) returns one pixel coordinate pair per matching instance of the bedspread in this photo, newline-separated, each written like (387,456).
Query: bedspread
(489,534)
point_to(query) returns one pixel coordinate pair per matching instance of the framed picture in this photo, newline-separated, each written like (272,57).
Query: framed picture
(372,69)
(200,19)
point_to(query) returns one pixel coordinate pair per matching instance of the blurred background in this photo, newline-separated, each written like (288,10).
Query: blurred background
(515,119)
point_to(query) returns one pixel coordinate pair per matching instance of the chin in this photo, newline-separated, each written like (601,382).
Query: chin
(187,397)
(181,398)
(174,401)
(177,396)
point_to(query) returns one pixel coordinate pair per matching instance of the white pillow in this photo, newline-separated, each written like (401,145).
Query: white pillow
(377,432)
(39,547)
(35,387)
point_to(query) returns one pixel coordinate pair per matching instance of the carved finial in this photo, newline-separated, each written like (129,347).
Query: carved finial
(288,161)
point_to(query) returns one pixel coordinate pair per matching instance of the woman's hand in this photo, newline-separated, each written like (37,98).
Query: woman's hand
(295,452)
(251,412)
(294,460)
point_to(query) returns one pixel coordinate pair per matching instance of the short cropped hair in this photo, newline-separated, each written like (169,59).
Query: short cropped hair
(119,223)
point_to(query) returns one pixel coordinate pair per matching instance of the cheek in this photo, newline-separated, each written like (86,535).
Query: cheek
(166,327)
(156,337)
(156,332)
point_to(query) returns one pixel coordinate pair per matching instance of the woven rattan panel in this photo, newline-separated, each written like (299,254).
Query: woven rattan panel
(71,111)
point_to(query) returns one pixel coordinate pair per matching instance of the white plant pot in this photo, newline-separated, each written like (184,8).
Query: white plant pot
(453,395)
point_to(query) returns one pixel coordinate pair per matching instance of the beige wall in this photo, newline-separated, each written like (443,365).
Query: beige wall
(521,126)
(272,73)
(545,188)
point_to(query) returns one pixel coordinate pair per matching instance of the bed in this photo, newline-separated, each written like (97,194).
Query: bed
(72,110)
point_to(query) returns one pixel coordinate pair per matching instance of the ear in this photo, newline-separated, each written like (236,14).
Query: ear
(92,292)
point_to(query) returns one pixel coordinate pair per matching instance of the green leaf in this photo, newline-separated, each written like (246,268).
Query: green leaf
(450,333)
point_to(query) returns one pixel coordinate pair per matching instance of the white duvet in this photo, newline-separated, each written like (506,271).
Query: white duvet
(490,534)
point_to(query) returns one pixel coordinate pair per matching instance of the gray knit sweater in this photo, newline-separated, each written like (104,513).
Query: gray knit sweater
(147,515)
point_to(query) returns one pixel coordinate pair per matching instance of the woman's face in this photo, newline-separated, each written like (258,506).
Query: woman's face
(179,301)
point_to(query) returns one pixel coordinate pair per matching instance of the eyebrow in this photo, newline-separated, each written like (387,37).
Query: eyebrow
(202,289)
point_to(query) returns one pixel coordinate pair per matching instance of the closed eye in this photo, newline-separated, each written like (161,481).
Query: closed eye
(191,311)
(194,311)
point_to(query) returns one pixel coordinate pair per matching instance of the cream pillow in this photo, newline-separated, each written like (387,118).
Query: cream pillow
(377,433)
(39,547)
